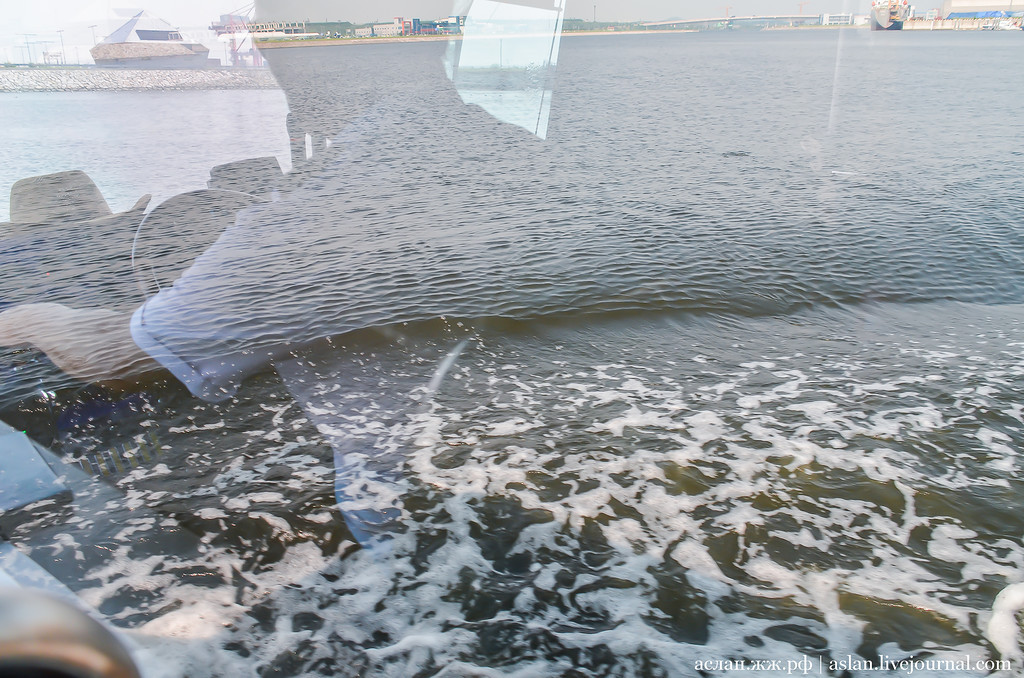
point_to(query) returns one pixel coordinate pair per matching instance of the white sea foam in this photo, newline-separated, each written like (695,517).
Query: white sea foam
(821,493)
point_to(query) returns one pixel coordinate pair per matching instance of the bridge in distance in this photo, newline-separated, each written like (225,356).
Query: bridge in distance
(773,18)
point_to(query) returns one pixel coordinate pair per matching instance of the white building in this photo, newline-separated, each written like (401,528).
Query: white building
(146,41)
(959,6)
(393,29)
(398,26)
(836,19)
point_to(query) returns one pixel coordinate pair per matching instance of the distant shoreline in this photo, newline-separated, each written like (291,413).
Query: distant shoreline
(85,78)
(320,42)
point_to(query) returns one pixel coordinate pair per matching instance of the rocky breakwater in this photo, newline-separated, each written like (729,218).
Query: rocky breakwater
(102,79)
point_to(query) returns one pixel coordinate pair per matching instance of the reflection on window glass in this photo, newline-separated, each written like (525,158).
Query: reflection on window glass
(506,62)
(355,376)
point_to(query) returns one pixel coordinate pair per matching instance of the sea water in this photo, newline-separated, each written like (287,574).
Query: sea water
(797,443)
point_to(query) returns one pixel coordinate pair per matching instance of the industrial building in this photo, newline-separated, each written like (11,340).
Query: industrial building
(145,41)
(401,26)
(397,27)
(837,19)
(981,8)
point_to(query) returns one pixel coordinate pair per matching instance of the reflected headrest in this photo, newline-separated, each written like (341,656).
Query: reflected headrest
(63,196)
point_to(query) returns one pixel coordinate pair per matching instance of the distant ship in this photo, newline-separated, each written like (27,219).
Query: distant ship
(146,41)
(889,15)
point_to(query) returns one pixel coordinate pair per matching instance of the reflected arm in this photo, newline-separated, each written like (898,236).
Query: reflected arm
(90,344)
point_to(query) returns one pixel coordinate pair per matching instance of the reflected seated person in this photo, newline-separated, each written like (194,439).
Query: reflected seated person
(418,203)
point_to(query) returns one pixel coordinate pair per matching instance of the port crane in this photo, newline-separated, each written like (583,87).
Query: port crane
(238,25)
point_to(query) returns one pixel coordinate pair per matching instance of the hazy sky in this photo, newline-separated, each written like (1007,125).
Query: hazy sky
(41,19)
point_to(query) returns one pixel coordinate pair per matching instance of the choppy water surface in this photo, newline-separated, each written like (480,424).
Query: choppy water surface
(762,405)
